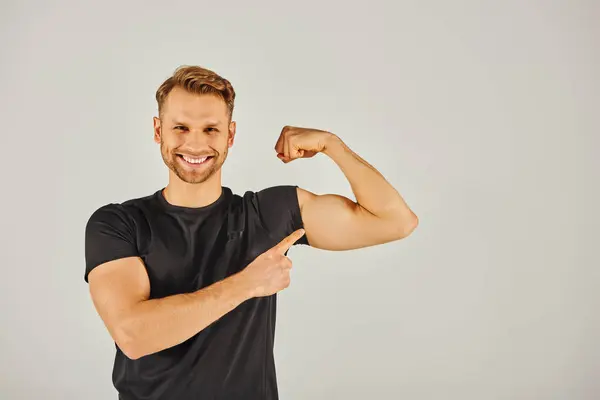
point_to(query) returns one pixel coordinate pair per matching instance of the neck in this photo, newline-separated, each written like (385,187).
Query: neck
(183,194)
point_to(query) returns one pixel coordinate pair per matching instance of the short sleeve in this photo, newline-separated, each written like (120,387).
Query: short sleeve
(280,211)
(109,235)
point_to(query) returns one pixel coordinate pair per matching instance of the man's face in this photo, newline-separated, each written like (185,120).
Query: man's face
(195,134)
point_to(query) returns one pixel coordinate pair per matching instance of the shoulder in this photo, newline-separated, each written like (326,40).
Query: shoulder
(125,214)
(277,208)
(267,200)
(291,197)
(107,225)
(119,229)
(109,213)
(273,196)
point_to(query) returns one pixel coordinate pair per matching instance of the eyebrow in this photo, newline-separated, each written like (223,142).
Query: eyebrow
(209,124)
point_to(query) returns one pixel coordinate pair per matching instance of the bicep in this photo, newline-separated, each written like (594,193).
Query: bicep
(115,288)
(334,222)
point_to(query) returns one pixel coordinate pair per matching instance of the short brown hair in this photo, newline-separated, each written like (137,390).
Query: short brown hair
(198,80)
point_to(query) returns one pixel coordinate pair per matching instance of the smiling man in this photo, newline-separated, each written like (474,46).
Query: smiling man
(185,279)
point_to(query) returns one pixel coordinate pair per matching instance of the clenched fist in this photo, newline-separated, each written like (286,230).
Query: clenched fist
(295,142)
(269,273)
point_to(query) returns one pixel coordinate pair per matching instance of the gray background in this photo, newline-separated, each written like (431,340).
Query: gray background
(484,115)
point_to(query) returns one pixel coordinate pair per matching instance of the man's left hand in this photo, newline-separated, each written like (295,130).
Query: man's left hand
(296,142)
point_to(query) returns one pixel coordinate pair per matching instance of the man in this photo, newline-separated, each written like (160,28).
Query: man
(185,279)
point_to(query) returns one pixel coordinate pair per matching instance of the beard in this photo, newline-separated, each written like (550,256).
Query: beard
(196,175)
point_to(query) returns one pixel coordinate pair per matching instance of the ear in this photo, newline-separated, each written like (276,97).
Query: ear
(232,129)
(157,130)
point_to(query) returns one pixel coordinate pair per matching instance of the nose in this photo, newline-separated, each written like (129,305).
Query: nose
(197,140)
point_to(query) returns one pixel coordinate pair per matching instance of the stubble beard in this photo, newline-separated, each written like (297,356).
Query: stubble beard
(194,177)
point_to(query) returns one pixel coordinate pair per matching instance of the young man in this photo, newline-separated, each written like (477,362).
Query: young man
(185,279)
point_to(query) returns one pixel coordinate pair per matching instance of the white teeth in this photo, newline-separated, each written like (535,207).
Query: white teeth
(194,160)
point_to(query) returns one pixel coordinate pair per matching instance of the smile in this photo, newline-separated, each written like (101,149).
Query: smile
(195,161)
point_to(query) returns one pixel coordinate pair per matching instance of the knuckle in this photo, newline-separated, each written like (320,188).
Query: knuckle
(285,262)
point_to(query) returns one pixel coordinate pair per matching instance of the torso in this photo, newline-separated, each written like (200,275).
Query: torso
(185,250)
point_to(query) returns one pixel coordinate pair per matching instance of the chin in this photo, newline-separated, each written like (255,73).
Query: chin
(193,178)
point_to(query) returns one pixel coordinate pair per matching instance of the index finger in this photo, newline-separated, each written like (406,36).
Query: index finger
(279,144)
(289,241)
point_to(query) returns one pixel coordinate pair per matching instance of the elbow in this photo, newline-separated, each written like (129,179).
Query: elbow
(406,226)
(128,341)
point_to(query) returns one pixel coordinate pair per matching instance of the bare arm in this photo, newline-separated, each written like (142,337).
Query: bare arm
(379,214)
(120,292)
(333,222)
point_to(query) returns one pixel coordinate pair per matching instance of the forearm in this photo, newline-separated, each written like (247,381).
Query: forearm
(157,324)
(372,191)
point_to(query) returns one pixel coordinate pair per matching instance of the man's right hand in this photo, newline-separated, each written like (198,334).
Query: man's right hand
(269,273)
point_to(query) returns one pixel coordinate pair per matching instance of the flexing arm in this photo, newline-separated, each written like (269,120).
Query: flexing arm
(120,291)
(333,222)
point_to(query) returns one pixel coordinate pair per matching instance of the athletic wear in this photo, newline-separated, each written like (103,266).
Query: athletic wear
(186,249)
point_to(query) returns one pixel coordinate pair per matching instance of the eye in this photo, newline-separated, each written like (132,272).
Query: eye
(212,129)
(179,128)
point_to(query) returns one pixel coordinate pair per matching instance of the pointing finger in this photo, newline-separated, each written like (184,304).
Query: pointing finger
(289,241)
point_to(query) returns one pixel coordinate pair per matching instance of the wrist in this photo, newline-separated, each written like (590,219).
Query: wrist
(332,143)
(242,286)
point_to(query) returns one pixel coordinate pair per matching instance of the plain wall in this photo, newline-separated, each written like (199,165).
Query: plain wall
(484,115)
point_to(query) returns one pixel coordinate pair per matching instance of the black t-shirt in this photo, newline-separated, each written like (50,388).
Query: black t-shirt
(184,250)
